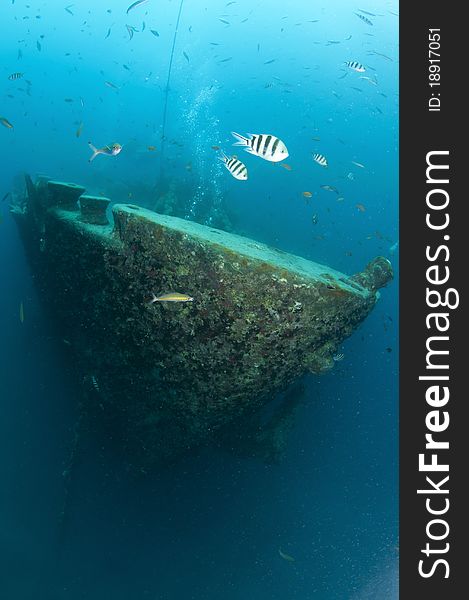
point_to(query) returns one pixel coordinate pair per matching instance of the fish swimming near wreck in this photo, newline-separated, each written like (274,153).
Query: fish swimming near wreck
(171,297)
(6,123)
(264,145)
(320,159)
(110,150)
(285,556)
(135,5)
(364,19)
(329,188)
(355,66)
(234,166)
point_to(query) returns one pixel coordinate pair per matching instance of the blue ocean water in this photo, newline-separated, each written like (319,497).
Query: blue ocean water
(211,526)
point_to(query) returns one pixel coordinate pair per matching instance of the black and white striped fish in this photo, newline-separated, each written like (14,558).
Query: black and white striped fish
(364,19)
(264,145)
(15,76)
(355,66)
(234,166)
(320,159)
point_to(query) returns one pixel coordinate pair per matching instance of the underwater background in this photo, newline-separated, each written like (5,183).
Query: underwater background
(212,525)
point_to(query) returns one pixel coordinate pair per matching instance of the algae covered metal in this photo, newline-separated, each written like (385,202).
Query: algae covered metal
(176,375)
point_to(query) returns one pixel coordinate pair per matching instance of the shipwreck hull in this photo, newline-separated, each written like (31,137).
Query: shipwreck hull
(178,375)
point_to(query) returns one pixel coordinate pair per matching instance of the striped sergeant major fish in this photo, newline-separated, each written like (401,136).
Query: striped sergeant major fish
(15,76)
(320,159)
(355,66)
(266,146)
(234,166)
(364,19)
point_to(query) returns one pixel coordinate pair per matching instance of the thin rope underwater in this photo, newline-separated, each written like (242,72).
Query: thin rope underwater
(165,109)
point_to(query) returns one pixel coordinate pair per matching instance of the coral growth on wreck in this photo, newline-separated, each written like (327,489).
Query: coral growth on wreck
(174,376)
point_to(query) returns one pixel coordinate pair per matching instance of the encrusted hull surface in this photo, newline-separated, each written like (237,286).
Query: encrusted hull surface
(174,376)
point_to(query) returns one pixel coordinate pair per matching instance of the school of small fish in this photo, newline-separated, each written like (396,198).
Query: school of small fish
(266,146)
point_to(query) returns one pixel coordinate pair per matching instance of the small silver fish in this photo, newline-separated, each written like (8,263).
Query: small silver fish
(380,54)
(110,150)
(286,556)
(6,123)
(370,80)
(135,4)
(330,188)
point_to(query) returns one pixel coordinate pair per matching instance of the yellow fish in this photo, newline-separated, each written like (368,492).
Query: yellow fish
(171,297)
(79,130)
(285,556)
(21,312)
